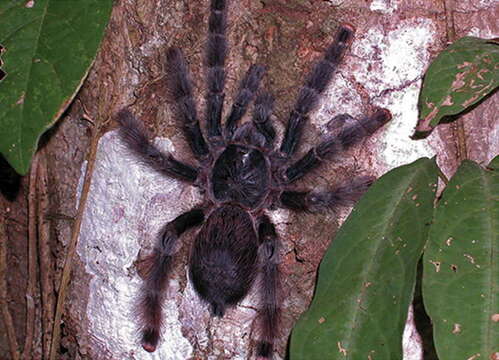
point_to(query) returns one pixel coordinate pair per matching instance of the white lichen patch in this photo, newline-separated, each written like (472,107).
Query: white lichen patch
(335,2)
(127,206)
(339,98)
(389,67)
(396,57)
(384,6)
(411,340)
(483,33)
(150,47)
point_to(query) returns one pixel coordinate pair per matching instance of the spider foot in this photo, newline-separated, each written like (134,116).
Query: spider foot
(150,338)
(264,350)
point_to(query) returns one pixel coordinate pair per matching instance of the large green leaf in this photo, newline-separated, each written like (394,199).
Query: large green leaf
(461,266)
(49,46)
(459,77)
(366,280)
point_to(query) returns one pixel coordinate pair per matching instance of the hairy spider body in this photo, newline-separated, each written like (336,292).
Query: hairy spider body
(242,176)
(224,257)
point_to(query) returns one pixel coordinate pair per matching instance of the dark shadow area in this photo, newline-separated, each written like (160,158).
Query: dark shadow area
(2,73)
(10,180)
(288,346)
(422,320)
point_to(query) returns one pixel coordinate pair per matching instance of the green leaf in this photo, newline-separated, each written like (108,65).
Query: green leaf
(461,266)
(366,280)
(49,46)
(494,164)
(459,77)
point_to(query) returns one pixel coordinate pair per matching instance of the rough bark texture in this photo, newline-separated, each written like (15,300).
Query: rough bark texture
(394,43)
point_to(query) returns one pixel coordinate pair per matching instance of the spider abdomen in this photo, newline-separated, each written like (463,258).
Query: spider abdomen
(240,175)
(223,261)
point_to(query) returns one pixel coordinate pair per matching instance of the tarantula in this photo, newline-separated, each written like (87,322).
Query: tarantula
(242,176)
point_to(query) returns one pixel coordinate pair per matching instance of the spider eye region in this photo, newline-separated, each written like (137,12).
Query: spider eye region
(241,175)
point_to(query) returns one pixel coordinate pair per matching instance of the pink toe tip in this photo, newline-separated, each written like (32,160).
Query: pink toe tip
(149,347)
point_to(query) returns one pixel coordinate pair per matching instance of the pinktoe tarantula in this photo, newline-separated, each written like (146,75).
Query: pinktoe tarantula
(242,176)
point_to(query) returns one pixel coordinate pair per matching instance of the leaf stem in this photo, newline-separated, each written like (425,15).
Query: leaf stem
(46,264)
(56,332)
(458,126)
(32,260)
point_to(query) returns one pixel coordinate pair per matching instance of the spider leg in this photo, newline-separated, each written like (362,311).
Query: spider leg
(136,137)
(247,89)
(181,90)
(248,134)
(269,287)
(346,137)
(261,117)
(216,51)
(315,201)
(156,278)
(338,122)
(314,86)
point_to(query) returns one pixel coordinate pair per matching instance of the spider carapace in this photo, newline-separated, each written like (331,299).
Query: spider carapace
(243,174)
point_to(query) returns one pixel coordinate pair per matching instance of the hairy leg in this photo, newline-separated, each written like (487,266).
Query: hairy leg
(248,134)
(314,86)
(246,93)
(348,135)
(156,278)
(181,91)
(261,118)
(315,201)
(216,51)
(269,287)
(136,137)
